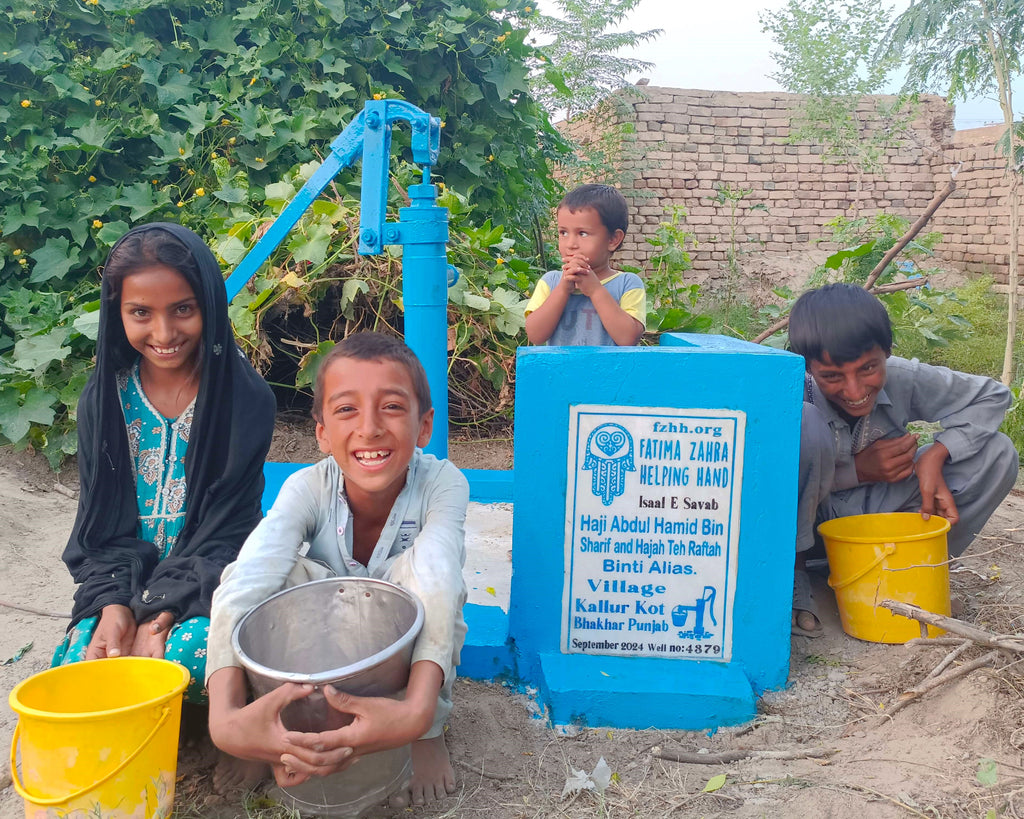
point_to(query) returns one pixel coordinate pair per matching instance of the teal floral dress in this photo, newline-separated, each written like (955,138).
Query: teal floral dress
(157,445)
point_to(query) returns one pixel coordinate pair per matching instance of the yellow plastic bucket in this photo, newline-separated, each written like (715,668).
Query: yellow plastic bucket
(99,738)
(893,556)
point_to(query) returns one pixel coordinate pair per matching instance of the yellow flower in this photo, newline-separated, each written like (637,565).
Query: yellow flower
(490,158)
(387,46)
(181,204)
(26,103)
(181,151)
(252,81)
(98,103)
(213,154)
(442,123)
(17,251)
(259,159)
(190,172)
(232,141)
(23,261)
(200,191)
(378,96)
(156,181)
(528,9)
(501,38)
(124,65)
(500,260)
(225,122)
(94,2)
(97,224)
(92,178)
(131,21)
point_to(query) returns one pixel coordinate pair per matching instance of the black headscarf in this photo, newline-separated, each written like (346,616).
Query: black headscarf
(228,443)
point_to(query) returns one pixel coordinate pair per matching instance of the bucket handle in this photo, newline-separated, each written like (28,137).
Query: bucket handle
(887,550)
(49,801)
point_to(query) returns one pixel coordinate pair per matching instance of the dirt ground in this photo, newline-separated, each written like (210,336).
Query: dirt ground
(957,752)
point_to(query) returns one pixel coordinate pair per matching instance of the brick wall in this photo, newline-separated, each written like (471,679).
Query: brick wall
(689,142)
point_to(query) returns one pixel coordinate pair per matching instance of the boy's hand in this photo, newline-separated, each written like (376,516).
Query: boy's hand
(151,636)
(887,461)
(114,635)
(936,499)
(254,731)
(577,271)
(378,724)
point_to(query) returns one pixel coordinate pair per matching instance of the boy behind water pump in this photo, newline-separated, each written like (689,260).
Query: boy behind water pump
(586,302)
(377,507)
(856,455)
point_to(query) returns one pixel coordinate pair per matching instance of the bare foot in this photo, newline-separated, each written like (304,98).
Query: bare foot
(433,777)
(807,623)
(238,775)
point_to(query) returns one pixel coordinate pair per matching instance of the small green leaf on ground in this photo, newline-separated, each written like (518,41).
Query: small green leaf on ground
(988,774)
(21,652)
(715,783)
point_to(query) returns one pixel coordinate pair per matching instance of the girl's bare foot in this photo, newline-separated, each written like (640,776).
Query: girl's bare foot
(433,777)
(238,775)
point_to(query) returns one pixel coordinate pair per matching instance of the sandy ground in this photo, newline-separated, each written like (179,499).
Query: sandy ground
(923,761)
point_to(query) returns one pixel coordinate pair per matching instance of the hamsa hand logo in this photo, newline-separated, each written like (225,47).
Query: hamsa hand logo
(609,457)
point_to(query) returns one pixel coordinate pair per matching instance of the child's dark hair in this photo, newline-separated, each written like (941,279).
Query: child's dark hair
(374,347)
(610,205)
(842,321)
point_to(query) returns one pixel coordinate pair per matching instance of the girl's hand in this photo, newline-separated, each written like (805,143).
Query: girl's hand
(114,634)
(151,636)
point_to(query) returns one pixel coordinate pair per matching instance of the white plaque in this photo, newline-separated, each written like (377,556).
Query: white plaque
(652,514)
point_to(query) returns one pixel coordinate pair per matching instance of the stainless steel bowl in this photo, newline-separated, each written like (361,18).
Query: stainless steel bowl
(354,633)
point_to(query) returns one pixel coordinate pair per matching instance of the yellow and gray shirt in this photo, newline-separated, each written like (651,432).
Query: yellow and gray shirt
(580,325)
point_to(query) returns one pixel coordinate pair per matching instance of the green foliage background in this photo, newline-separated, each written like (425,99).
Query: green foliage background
(117,112)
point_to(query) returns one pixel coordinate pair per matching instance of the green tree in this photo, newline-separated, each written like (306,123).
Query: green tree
(580,65)
(970,47)
(827,52)
(116,112)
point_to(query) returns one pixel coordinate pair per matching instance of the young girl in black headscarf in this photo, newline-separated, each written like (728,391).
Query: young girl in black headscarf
(173,429)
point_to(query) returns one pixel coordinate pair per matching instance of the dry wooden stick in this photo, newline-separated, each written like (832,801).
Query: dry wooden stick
(724,757)
(66,491)
(864,789)
(30,610)
(481,772)
(949,659)
(910,284)
(931,642)
(914,229)
(925,686)
(1007,642)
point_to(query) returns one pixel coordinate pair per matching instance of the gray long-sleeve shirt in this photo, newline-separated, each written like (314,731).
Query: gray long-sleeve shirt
(970,409)
(421,548)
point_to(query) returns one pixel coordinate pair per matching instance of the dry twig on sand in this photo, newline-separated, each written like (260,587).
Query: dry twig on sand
(1005,642)
(67,492)
(55,615)
(931,683)
(940,675)
(724,757)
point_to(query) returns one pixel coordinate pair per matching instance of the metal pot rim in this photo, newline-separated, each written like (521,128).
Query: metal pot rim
(332,675)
